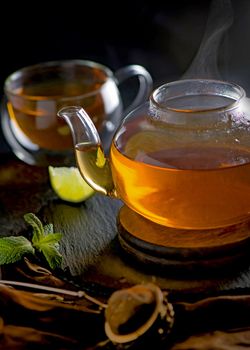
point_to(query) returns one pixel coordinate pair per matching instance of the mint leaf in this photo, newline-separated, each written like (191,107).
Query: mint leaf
(13,248)
(49,239)
(38,230)
(49,246)
(44,240)
(52,255)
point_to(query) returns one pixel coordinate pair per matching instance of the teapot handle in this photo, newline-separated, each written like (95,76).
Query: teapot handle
(145,84)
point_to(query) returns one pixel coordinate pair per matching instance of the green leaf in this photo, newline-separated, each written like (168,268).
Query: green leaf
(52,255)
(49,246)
(38,230)
(44,240)
(13,248)
(49,239)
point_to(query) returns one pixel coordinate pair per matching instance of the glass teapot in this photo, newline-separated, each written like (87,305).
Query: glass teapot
(181,160)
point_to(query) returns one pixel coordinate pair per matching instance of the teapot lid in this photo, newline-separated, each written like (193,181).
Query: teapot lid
(172,102)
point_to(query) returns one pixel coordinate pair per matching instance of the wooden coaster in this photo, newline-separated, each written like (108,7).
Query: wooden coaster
(162,246)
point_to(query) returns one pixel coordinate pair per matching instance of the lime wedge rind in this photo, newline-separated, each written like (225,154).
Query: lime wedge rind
(69,185)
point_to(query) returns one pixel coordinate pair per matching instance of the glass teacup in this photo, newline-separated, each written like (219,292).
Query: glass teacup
(34,94)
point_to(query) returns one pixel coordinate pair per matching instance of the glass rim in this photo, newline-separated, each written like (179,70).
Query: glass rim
(230,106)
(57,63)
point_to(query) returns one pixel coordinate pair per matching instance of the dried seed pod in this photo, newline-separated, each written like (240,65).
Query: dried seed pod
(136,311)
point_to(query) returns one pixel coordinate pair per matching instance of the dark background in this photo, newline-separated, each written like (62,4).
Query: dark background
(163,36)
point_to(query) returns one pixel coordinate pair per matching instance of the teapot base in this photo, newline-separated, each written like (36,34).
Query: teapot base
(180,249)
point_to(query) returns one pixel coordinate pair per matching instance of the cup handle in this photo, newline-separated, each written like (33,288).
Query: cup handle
(145,84)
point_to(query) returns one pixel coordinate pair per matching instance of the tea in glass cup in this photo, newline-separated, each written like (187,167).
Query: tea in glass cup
(34,95)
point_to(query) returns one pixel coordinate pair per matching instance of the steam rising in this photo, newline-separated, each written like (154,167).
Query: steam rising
(205,63)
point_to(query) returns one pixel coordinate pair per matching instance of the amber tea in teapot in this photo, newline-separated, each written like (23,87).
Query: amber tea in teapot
(178,187)
(182,160)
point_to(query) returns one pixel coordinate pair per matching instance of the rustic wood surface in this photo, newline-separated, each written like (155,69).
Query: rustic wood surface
(90,245)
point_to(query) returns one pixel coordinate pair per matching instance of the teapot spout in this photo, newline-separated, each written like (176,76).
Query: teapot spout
(90,158)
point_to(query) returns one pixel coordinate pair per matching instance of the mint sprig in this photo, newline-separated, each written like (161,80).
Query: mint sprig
(14,248)
(44,240)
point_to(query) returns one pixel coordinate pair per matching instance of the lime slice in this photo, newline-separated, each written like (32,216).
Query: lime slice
(68,184)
